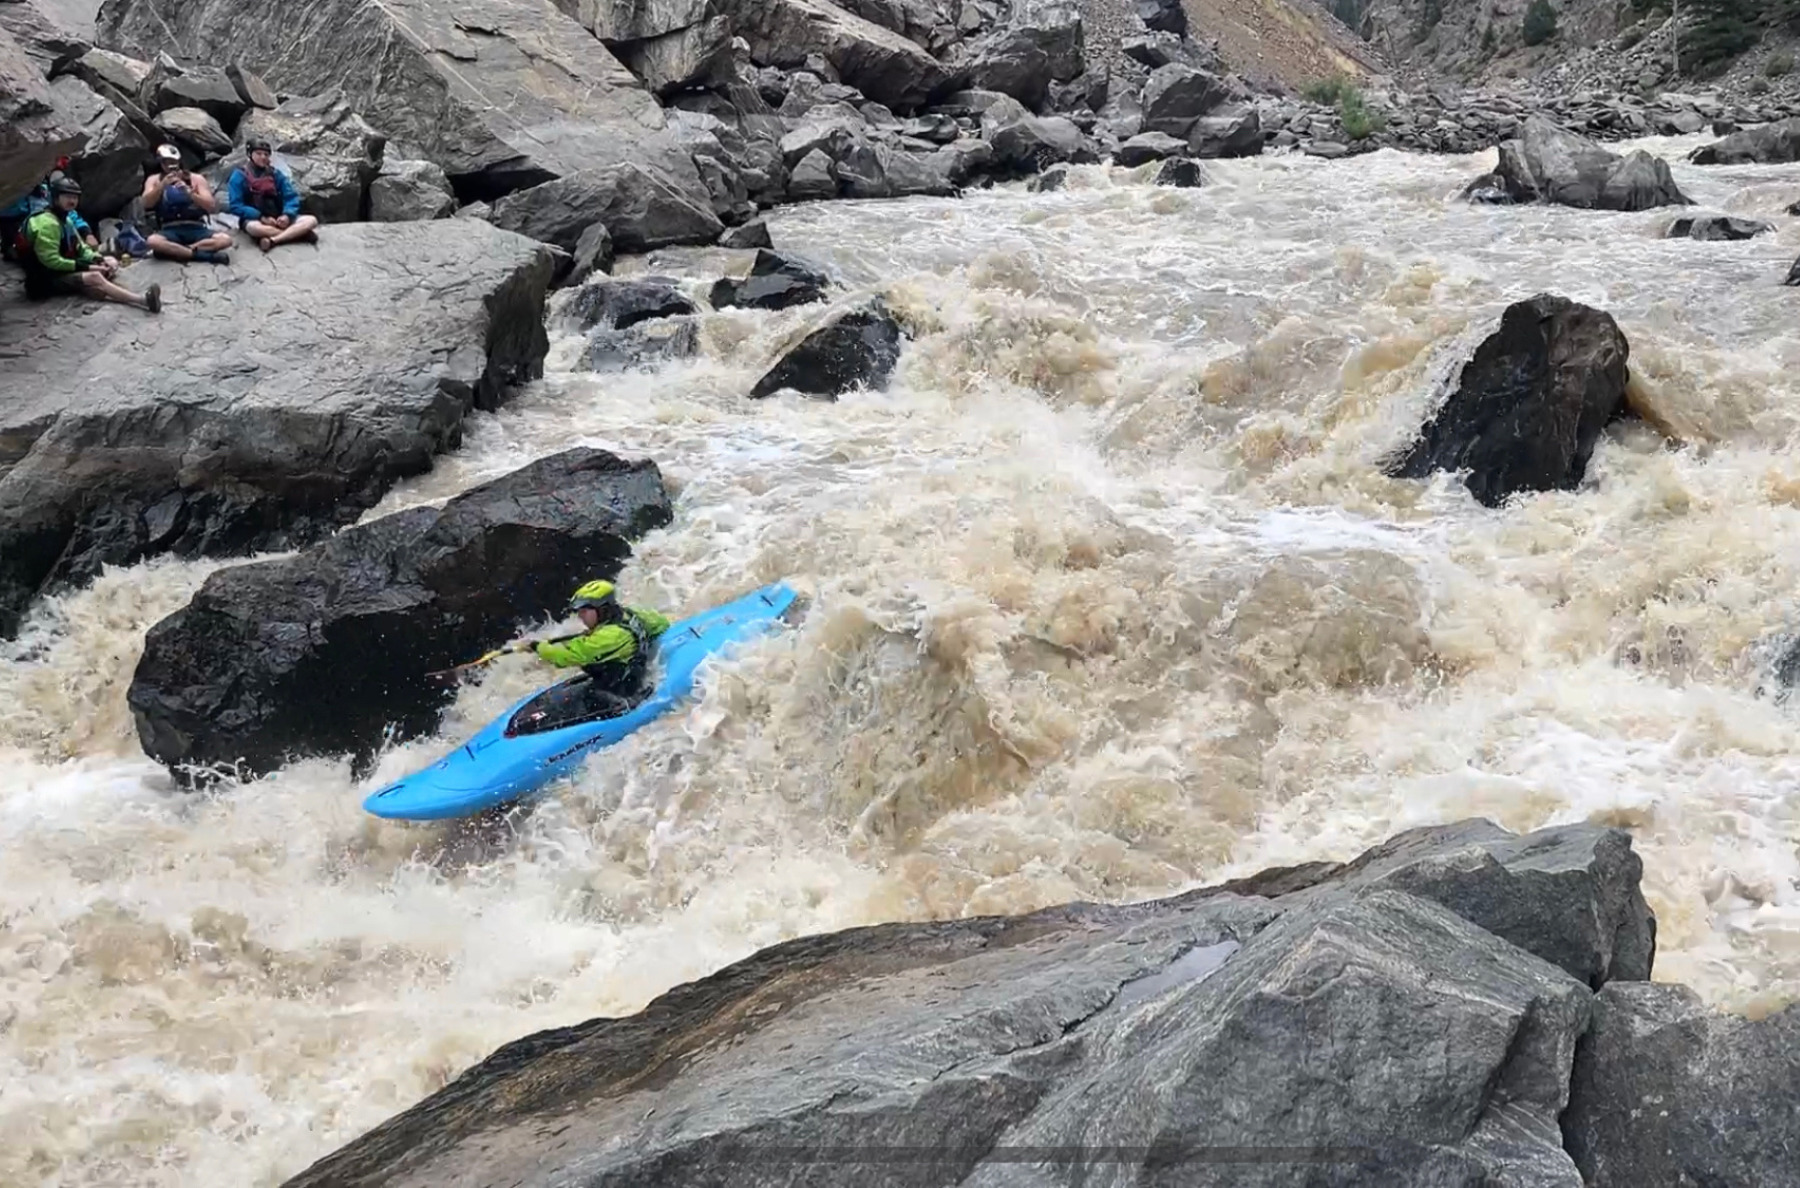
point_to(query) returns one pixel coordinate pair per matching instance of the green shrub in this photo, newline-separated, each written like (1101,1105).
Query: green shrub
(1779,66)
(1329,90)
(1358,118)
(1540,23)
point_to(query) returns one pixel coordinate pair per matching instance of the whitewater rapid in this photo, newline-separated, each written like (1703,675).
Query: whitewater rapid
(1110,598)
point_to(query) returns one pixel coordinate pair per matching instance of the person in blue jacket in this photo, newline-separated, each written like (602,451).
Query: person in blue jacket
(265,200)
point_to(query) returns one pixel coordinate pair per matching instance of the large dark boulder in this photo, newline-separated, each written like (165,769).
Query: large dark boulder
(776,281)
(1180,173)
(171,84)
(1163,16)
(326,652)
(40,30)
(619,304)
(878,62)
(1530,404)
(642,210)
(270,404)
(330,151)
(1233,131)
(409,191)
(1551,164)
(112,164)
(1040,43)
(881,170)
(1770,144)
(1666,1091)
(1146,147)
(33,130)
(1177,96)
(855,348)
(1280,1030)
(1031,144)
(500,94)
(1717,228)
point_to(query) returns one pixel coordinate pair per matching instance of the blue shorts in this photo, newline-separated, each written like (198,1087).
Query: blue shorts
(186,234)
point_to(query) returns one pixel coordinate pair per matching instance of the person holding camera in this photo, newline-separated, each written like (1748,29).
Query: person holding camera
(183,202)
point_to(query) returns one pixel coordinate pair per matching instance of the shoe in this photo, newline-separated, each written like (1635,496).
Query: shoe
(265,243)
(219,257)
(153,299)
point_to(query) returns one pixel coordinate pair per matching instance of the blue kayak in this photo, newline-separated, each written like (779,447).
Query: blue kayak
(528,746)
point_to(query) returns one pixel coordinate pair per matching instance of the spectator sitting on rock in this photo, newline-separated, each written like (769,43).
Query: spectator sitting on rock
(181,202)
(267,203)
(57,262)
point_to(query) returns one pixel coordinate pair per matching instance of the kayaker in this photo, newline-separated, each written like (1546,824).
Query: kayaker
(614,650)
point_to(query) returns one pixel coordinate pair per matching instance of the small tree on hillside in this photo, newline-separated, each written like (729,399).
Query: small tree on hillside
(1540,23)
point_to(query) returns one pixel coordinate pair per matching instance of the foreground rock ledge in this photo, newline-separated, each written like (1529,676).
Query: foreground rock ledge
(326,652)
(273,401)
(1360,1018)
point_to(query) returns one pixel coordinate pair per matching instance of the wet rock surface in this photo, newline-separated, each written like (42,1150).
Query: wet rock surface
(855,348)
(229,425)
(326,652)
(1343,1028)
(1528,407)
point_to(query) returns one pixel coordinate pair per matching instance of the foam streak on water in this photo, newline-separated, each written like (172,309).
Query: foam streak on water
(1110,599)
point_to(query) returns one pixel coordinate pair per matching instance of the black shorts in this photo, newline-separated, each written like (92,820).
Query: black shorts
(39,285)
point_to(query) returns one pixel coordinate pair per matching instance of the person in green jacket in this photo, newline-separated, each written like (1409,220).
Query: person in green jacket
(58,262)
(615,649)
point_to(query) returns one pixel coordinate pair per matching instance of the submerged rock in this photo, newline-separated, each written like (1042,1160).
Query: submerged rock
(856,348)
(326,652)
(619,304)
(1550,164)
(1668,1092)
(1771,144)
(1345,1030)
(1717,228)
(775,282)
(130,439)
(1530,404)
(1181,173)
(1793,276)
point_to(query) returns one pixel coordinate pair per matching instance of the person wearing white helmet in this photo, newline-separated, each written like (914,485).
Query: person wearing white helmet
(183,204)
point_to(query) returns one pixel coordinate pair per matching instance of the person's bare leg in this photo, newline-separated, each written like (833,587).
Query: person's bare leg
(97,285)
(219,241)
(169,249)
(300,228)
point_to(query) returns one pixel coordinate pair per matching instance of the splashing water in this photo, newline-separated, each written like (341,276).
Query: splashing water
(1110,599)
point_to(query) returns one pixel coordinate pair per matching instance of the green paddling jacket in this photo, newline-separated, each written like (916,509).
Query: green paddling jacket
(609,644)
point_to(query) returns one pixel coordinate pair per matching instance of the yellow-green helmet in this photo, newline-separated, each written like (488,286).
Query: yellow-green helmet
(598,595)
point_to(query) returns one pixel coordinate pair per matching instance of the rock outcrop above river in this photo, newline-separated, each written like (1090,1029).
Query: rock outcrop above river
(498,93)
(1668,1092)
(1551,164)
(1528,407)
(271,403)
(1771,144)
(33,132)
(326,652)
(1320,1024)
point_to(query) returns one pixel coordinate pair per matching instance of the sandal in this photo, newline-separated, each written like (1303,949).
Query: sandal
(153,299)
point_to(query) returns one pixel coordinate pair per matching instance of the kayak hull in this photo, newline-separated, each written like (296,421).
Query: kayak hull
(491,769)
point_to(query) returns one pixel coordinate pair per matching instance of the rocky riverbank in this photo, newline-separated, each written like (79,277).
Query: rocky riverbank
(1458,1005)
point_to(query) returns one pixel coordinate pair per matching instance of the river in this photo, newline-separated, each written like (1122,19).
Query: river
(1109,599)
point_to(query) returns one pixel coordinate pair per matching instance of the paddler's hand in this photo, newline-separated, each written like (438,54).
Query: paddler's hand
(520,645)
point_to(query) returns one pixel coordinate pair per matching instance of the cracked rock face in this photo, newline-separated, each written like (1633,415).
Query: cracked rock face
(252,414)
(498,93)
(1349,1022)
